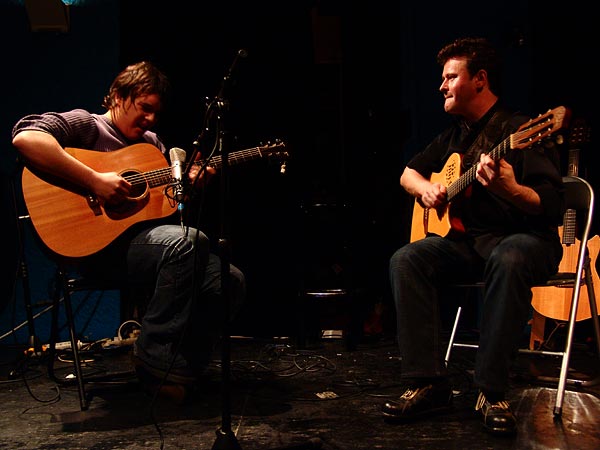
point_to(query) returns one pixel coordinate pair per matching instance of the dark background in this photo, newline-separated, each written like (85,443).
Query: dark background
(350,87)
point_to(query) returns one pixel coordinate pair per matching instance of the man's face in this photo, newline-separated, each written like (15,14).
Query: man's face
(458,86)
(134,118)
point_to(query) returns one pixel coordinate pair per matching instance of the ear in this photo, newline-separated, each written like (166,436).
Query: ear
(481,79)
(119,101)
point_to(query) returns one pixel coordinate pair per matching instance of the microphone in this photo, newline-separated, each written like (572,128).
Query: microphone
(177,157)
(241,53)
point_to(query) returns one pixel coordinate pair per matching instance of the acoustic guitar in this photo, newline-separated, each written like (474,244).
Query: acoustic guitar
(555,302)
(444,219)
(73,223)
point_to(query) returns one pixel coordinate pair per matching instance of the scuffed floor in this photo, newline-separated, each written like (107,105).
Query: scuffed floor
(324,396)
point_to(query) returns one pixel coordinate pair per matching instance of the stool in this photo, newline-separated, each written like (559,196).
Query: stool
(328,314)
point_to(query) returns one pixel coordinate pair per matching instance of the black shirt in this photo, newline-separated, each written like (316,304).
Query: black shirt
(486,217)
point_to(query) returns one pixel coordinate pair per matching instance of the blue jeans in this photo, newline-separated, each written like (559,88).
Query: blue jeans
(181,281)
(420,272)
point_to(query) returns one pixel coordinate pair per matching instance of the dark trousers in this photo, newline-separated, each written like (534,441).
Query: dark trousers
(420,273)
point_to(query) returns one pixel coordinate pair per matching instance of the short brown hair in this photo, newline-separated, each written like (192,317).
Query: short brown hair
(480,55)
(142,78)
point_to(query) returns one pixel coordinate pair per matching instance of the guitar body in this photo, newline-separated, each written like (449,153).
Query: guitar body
(73,224)
(441,220)
(555,302)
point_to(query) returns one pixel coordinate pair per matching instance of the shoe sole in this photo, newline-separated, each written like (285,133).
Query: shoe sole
(407,418)
(161,374)
(500,431)
(178,394)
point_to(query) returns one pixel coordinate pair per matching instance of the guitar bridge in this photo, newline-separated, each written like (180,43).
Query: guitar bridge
(94,204)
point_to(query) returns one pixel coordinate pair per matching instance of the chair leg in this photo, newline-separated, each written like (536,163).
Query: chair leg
(563,380)
(537,334)
(83,401)
(54,328)
(452,336)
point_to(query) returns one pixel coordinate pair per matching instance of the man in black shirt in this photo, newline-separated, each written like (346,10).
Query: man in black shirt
(502,229)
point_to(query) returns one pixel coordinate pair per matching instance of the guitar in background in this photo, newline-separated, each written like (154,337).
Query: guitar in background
(555,302)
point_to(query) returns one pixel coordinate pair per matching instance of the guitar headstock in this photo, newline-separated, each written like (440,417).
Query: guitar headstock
(580,133)
(542,126)
(276,150)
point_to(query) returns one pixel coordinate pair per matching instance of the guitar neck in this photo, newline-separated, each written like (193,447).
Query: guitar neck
(527,134)
(237,157)
(469,176)
(162,176)
(569,226)
(573,167)
(570,216)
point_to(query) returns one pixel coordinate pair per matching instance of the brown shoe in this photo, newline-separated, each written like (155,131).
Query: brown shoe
(175,375)
(176,386)
(179,394)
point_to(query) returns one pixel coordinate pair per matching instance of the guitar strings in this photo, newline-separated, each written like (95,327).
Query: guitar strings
(501,149)
(159,176)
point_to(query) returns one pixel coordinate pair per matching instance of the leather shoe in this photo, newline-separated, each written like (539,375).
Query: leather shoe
(497,417)
(176,386)
(178,375)
(419,402)
(179,394)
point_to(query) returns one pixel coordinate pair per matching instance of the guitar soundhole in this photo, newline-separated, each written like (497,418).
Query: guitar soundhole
(135,202)
(451,173)
(138,182)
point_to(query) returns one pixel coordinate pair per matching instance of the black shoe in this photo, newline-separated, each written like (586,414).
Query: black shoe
(175,375)
(178,394)
(177,386)
(419,402)
(497,417)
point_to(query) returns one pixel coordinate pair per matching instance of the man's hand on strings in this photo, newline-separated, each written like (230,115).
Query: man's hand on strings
(110,187)
(434,195)
(497,176)
(199,177)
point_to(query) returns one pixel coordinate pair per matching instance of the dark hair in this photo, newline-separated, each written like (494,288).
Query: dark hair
(142,78)
(480,55)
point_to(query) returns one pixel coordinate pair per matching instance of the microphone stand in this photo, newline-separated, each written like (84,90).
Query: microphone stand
(226,439)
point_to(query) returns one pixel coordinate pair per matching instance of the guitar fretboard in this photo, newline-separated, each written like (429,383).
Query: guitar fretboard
(235,157)
(527,134)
